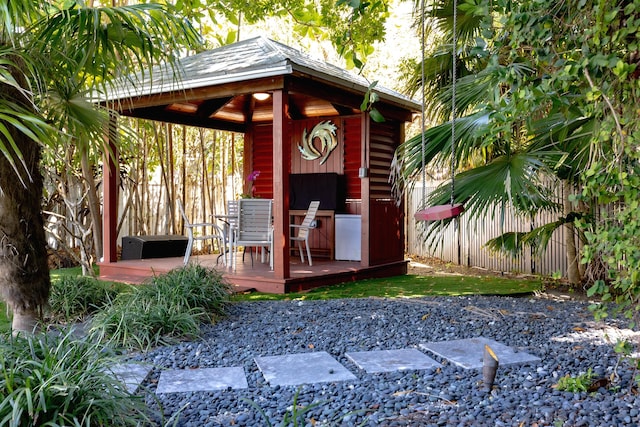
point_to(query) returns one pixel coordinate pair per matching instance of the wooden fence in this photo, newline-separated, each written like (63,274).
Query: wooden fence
(463,241)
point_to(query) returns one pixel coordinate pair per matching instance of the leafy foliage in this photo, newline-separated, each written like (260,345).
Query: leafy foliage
(577,384)
(60,380)
(610,75)
(72,298)
(56,58)
(548,95)
(69,51)
(352,26)
(582,103)
(170,307)
(194,286)
(615,238)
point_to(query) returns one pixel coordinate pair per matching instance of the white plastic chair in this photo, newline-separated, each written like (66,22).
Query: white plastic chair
(303,230)
(217,234)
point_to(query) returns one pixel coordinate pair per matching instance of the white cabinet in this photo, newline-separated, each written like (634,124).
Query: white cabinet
(348,237)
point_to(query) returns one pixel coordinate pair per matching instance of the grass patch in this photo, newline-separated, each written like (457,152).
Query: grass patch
(409,286)
(5,324)
(59,273)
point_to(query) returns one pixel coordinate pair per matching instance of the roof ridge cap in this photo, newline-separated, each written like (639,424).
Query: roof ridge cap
(274,47)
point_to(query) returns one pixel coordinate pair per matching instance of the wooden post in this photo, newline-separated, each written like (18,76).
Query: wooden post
(365,192)
(110,199)
(281,162)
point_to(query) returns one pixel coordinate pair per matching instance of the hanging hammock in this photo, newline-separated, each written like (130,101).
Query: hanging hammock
(452,210)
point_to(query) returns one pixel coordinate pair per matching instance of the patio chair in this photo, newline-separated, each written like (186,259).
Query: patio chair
(217,234)
(303,230)
(229,226)
(254,226)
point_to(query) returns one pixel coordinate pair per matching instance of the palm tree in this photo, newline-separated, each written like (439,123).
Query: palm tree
(509,143)
(53,58)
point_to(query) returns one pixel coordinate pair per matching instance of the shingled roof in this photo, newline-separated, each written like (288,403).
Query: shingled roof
(251,59)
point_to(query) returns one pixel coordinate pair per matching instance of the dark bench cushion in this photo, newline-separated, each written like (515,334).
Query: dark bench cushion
(141,247)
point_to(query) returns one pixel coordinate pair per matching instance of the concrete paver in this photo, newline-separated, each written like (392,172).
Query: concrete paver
(203,379)
(319,366)
(131,374)
(468,352)
(302,368)
(391,360)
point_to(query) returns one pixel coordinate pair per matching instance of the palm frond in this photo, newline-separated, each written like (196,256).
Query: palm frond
(468,26)
(15,16)
(570,137)
(510,243)
(438,145)
(515,243)
(106,42)
(75,51)
(14,118)
(510,180)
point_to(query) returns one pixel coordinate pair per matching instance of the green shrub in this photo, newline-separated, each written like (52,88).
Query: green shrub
(580,383)
(194,286)
(72,298)
(58,380)
(170,307)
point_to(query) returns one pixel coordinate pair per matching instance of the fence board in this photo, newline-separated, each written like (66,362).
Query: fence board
(463,241)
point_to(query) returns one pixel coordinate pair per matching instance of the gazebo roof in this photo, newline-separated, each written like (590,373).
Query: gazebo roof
(231,73)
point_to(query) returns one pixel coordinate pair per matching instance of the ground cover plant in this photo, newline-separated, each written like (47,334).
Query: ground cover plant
(63,378)
(75,297)
(171,306)
(576,384)
(59,379)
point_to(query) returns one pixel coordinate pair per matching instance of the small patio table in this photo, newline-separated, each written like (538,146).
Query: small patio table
(227,219)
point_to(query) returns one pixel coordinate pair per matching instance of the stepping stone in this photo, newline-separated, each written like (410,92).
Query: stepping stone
(204,379)
(391,360)
(131,374)
(302,368)
(468,353)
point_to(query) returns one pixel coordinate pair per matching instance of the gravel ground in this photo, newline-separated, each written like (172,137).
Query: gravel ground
(562,333)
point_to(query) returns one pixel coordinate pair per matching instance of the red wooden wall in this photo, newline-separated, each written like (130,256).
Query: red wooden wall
(344,160)
(386,220)
(262,153)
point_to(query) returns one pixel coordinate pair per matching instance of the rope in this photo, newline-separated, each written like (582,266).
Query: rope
(422,126)
(454,52)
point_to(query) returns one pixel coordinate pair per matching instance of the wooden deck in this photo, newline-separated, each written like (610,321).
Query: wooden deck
(257,277)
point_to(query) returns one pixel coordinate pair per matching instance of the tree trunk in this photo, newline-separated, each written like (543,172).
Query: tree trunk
(94,203)
(573,260)
(24,271)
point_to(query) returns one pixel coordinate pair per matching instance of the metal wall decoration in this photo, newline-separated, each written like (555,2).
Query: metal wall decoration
(326,133)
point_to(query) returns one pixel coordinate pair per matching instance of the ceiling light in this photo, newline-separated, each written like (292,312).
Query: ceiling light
(261,96)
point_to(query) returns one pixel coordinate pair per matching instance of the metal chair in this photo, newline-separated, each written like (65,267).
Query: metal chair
(229,226)
(217,235)
(254,226)
(303,230)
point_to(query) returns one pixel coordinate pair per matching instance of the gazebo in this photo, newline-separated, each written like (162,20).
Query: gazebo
(305,133)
